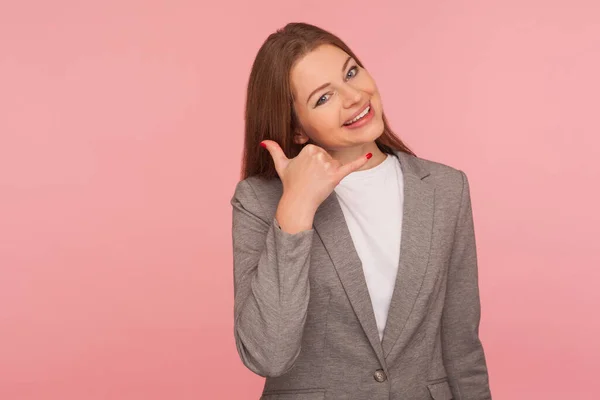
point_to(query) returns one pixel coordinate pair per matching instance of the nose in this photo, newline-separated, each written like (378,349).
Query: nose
(351,95)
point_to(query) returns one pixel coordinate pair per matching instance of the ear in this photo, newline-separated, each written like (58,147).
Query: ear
(300,137)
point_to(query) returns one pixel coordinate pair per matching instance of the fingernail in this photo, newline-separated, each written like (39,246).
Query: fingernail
(369,155)
(263,145)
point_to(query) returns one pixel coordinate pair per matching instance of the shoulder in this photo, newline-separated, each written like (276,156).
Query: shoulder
(448,181)
(257,185)
(258,191)
(432,171)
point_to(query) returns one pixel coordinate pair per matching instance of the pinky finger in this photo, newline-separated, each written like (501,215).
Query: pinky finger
(347,169)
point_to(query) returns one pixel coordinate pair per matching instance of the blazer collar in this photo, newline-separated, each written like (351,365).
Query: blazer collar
(330,225)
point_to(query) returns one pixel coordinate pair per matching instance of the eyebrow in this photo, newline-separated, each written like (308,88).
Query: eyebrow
(323,86)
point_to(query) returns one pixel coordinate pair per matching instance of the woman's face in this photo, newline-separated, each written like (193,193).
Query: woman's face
(329,89)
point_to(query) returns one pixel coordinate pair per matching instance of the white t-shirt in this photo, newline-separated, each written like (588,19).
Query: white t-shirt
(372,204)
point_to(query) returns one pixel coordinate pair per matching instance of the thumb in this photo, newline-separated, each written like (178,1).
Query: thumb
(347,169)
(278,156)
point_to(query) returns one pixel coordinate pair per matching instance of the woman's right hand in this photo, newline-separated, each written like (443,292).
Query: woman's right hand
(312,174)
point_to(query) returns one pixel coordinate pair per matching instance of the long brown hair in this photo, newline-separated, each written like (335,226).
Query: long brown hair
(269,104)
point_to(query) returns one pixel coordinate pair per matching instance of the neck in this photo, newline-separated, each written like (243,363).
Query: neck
(348,155)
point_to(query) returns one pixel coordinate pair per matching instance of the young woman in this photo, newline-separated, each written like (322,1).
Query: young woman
(355,268)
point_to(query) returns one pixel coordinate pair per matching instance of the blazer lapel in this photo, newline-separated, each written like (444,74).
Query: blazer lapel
(330,224)
(417,225)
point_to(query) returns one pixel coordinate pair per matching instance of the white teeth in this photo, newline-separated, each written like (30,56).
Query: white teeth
(359,116)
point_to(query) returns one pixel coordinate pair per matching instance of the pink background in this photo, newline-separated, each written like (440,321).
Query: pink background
(121,128)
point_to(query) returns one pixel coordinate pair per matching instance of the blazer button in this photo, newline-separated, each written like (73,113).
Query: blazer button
(380,376)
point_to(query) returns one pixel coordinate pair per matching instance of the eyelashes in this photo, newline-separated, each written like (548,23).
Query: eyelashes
(353,68)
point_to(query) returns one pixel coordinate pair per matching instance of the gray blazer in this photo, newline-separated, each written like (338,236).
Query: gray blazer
(303,315)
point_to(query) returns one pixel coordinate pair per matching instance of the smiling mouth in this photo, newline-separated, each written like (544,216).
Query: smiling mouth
(360,116)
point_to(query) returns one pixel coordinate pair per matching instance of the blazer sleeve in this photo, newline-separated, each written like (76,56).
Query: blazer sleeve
(271,286)
(463,353)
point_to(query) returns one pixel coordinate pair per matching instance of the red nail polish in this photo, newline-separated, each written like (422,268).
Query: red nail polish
(369,155)
(263,145)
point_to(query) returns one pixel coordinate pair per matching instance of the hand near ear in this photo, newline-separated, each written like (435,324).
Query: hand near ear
(312,174)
